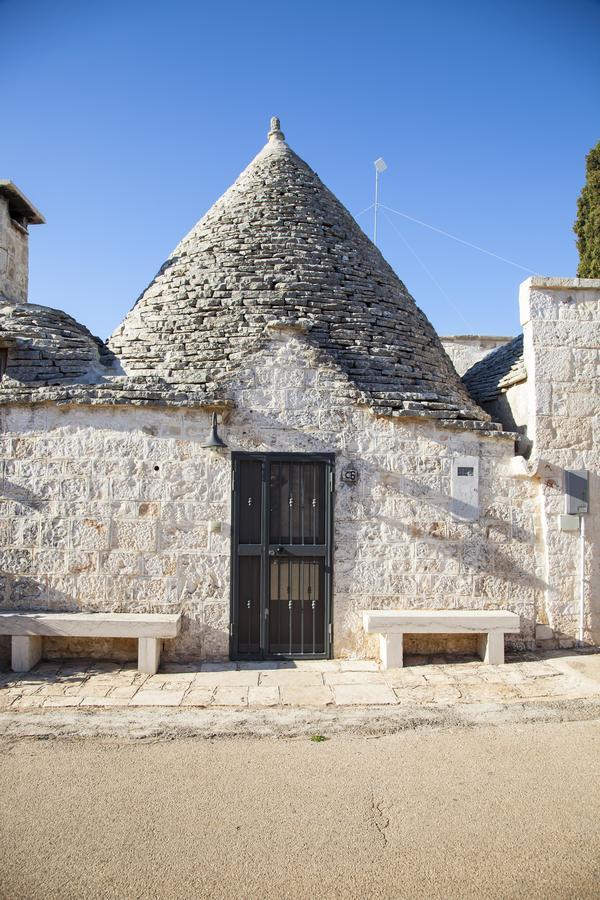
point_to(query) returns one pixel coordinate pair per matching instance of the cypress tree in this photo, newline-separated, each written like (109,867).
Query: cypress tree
(587,224)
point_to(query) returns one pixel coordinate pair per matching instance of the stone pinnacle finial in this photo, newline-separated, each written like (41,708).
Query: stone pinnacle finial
(276,134)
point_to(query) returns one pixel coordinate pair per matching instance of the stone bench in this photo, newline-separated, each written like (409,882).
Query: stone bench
(489,625)
(28,629)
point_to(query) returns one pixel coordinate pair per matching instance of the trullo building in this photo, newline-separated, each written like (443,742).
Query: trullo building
(351,468)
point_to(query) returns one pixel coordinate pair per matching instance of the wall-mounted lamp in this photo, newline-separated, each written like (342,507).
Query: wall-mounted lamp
(214,442)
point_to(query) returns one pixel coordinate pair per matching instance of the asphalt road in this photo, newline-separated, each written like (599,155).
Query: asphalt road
(488,812)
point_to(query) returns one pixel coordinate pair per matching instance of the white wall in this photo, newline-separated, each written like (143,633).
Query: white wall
(561,328)
(108,509)
(466,349)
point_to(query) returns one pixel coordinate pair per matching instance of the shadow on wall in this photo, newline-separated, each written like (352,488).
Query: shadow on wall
(471,546)
(501,411)
(479,552)
(560,566)
(19,590)
(19,493)
(4,652)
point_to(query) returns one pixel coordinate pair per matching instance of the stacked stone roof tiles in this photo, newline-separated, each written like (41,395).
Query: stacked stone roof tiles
(496,372)
(276,250)
(53,358)
(279,247)
(48,347)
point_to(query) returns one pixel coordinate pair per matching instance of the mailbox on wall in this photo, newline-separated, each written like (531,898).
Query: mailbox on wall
(576,492)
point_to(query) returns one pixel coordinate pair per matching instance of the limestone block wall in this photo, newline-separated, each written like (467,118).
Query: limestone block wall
(14,258)
(466,349)
(108,509)
(561,328)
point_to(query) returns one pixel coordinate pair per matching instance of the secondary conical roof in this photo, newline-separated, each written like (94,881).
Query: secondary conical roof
(278,245)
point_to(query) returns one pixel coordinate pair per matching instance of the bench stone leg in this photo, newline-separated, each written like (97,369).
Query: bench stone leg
(391,650)
(149,655)
(26,651)
(491,648)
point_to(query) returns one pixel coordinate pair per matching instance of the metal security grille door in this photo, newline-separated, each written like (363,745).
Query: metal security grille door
(281,556)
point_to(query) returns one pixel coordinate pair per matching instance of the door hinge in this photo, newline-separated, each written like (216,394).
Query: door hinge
(330,631)
(331,481)
(233,481)
(231,629)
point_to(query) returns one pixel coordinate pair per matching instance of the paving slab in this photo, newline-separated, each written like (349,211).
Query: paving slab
(283,677)
(156,698)
(29,690)
(172,678)
(231,678)
(265,695)
(198,697)
(7,698)
(124,692)
(34,701)
(538,669)
(440,675)
(62,701)
(446,693)
(306,695)
(505,675)
(544,687)
(422,694)
(230,695)
(53,689)
(94,690)
(487,693)
(104,701)
(363,694)
(311,683)
(354,677)
(404,678)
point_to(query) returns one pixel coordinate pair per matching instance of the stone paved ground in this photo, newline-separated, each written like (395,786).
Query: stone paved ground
(425,681)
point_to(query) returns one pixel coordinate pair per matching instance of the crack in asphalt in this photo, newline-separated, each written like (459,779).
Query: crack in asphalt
(378,818)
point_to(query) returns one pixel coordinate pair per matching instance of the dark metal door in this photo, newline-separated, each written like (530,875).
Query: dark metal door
(281,555)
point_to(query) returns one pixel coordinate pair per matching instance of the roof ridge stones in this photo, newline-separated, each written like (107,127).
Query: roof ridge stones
(496,372)
(279,246)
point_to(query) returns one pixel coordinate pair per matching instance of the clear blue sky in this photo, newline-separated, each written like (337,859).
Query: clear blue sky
(124,120)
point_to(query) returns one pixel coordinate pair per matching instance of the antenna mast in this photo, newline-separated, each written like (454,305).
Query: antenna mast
(380,166)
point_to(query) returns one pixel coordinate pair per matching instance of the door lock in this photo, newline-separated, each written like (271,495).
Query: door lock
(278,551)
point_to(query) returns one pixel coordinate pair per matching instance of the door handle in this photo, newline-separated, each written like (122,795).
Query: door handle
(278,551)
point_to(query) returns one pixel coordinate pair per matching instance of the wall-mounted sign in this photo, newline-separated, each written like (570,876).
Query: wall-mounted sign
(464,487)
(350,475)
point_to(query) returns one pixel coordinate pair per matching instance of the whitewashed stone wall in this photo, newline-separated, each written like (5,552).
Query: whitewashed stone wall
(466,349)
(108,509)
(561,329)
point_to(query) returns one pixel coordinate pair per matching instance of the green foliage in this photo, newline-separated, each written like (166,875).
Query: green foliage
(587,224)
(317,738)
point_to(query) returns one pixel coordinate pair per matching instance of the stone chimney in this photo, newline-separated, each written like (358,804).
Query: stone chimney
(16,214)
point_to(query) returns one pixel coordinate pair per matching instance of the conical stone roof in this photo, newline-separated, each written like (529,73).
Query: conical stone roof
(278,245)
